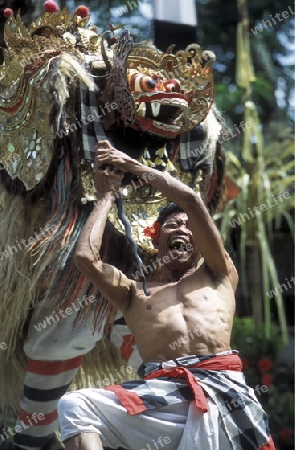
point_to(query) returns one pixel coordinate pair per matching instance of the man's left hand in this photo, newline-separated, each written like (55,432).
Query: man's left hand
(107,179)
(108,155)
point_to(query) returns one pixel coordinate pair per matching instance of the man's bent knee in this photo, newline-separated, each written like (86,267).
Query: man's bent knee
(71,412)
(71,402)
(84,441)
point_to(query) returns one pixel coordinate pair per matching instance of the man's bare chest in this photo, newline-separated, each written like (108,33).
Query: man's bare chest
(196,291)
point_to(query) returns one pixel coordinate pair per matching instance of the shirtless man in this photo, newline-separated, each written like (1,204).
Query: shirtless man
(191,304)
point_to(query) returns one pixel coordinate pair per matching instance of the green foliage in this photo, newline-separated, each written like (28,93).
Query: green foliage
(265,176)
(262,88)
(261,176)
(259,356)
(227,99)
(249,339)
(268,48)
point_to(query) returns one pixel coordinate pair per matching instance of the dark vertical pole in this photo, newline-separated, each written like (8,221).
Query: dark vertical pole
(175,22)
(63,4)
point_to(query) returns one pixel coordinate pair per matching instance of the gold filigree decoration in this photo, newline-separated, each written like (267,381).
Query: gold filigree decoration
(26,135)
(25,76)
(50,35)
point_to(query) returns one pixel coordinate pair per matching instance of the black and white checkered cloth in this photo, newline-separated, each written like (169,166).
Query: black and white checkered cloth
(92,129)
(244,420)
(194,152)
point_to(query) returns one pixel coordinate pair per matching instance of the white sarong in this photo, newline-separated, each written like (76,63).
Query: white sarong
(183,404)
(99,411)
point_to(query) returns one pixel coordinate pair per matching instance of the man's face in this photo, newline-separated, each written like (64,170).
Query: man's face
(176,242)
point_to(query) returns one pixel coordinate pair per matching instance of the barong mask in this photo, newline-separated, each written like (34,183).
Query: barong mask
(47,69)
(160,93)
(172,93)
(163,94)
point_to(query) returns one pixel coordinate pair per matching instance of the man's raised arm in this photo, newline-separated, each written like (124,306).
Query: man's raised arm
(205,233)
(110,281)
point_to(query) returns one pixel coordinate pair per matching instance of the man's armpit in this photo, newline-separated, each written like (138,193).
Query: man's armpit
(233,273)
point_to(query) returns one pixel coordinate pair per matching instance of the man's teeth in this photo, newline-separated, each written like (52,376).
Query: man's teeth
(177,243)
(156,108)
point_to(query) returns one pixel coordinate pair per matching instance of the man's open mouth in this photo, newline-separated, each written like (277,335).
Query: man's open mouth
(179,244)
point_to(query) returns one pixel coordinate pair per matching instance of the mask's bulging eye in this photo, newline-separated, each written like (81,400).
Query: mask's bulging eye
(151,84)
(142,83)
(172,85)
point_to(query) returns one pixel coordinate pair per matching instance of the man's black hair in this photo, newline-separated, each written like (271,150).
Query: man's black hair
(169,209)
